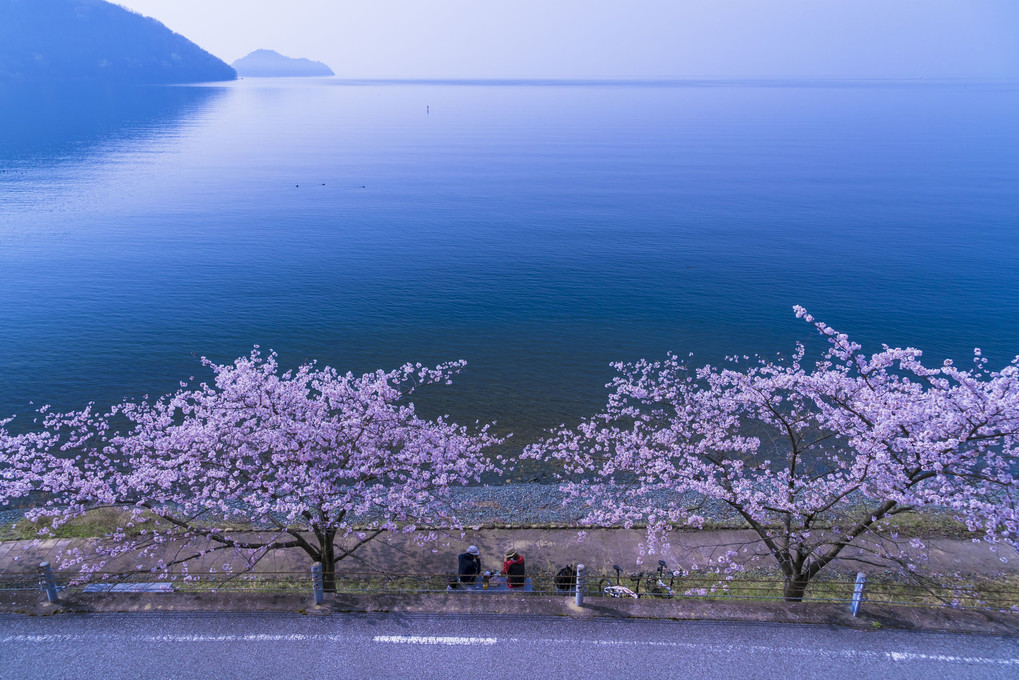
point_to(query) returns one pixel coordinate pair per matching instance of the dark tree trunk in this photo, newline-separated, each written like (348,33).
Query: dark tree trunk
(328,562)
(795,587)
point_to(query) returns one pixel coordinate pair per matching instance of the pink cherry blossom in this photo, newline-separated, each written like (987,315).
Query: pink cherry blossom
(812,460)
(312,458)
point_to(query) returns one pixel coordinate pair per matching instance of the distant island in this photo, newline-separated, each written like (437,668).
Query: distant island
(272,64)
(94,40)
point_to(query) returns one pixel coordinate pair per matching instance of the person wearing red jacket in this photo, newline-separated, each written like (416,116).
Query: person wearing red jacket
(513,569)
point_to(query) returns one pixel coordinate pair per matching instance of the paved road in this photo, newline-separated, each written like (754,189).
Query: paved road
(486,647)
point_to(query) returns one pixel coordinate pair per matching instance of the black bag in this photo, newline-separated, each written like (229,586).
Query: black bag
(565,579)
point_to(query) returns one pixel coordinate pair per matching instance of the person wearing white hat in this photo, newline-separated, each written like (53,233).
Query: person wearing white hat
(469,565)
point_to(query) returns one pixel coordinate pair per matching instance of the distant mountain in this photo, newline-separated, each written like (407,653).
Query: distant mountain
(93,40)
(271,64)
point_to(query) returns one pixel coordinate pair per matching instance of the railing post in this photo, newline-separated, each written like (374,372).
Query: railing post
(581,583)
(49,584)
(316,582)
(861,581)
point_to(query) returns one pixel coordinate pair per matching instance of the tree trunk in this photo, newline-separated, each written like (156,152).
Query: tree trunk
(795,587)
(328,562)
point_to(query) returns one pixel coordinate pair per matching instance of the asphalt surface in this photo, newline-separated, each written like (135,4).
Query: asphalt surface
(218,645)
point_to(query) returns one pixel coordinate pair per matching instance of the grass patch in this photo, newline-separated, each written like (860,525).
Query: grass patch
(345,583)
(251,583)
(92,524)
(1001,593)
(997,592)
(929,523)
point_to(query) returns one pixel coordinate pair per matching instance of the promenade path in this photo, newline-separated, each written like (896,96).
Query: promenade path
(544,549)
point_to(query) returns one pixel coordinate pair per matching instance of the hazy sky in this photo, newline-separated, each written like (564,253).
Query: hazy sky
(612,38)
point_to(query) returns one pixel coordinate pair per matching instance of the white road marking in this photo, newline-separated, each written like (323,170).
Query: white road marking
(486,641)
(908,656)
(176,638)
(806,651)
(294,637)
(425,640)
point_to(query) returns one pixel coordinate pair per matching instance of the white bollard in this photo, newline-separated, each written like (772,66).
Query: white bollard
(49,584)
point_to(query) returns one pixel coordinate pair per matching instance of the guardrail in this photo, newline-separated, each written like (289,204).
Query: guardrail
(262,581)
(985,594)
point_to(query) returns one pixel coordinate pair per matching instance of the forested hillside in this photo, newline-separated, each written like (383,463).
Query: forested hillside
(43,40)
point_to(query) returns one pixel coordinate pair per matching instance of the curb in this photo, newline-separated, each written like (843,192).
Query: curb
(872,617)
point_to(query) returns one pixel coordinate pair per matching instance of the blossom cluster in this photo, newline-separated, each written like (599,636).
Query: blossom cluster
(307,457)
(813,459)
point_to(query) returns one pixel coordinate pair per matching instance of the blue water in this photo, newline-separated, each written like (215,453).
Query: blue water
(537,230)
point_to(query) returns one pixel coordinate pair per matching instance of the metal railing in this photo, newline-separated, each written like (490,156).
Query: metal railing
(540,582)
(979,594)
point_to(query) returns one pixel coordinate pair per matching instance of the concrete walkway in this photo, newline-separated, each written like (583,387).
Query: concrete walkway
(544,549)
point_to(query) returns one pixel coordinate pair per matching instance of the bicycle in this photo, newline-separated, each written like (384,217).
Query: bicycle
(609,589)
(655,581)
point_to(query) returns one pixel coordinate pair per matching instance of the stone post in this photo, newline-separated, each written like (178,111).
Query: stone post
(581,584)
(49,584)
(861,581)
(316,582)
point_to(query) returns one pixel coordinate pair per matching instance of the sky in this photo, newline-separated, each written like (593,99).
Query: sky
(613,38)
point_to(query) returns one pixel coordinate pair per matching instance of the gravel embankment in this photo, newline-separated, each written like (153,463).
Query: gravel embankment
(8,517)
(517,504)
(526,504)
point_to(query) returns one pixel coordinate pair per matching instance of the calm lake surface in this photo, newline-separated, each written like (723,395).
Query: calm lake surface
(537,230)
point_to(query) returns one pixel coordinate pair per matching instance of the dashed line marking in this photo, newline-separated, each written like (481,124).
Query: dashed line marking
(427,640)
(909,656)
(175,638)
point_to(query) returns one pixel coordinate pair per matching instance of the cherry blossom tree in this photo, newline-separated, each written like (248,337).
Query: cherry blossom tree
(259,460)
(813,461)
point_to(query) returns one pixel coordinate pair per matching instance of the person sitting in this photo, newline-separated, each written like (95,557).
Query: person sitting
(469,565)
(513,569)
